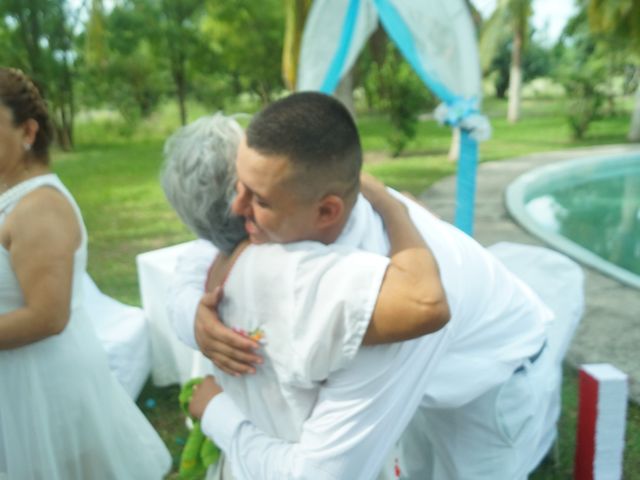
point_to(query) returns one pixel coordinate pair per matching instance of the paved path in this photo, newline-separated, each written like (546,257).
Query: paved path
(610,329)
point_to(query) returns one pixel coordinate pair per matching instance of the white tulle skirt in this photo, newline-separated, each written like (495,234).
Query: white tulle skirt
(63,416)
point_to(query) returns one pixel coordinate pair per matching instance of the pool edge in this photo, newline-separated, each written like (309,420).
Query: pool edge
(514,199)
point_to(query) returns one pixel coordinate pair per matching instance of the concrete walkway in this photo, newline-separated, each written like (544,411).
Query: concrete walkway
(610,329)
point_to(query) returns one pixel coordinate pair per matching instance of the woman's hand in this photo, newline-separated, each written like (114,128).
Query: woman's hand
(202,395)
(231,352)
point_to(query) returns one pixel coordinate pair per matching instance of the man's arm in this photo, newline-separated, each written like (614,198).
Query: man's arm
(361,412)
(412,301)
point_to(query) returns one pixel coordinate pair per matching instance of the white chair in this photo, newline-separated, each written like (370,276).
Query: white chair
(171,361)
(122,331)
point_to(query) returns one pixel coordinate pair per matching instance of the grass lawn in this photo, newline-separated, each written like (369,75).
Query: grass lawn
(115,181)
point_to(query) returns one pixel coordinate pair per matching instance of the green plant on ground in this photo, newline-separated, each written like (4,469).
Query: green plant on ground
(586,100)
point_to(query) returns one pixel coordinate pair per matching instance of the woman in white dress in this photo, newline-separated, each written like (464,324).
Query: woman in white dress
(63,415)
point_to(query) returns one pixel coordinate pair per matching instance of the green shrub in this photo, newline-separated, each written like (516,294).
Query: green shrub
(393,88)
(585,96)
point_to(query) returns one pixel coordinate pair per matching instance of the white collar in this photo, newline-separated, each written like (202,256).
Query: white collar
(364,229)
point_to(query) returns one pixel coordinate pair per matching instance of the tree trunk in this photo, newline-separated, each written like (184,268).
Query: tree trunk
(180,80)
(62,133)
(515,79)
(378,45)
(183,104)
(344,92)
(634,131)
(29,28)
(296,15)
(70,103)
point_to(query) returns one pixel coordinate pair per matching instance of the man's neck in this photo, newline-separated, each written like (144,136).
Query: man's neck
(331,235)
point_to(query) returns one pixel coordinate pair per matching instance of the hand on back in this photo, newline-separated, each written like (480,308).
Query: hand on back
(202,395)
(230,351)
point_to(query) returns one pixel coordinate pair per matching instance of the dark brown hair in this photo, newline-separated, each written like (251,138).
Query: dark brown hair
(20,95)
(317,135)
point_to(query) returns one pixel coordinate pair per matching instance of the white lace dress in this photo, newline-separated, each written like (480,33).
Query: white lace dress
(63,415)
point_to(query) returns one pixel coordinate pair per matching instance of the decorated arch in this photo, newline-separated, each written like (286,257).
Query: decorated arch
(436,37)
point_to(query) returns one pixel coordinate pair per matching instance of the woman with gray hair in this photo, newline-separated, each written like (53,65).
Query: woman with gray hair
(311,305)
(199,179)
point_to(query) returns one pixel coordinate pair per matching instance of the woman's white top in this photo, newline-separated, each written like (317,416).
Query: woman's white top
(313,304)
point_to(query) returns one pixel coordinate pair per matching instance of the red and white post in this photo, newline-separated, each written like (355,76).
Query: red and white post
(601,423)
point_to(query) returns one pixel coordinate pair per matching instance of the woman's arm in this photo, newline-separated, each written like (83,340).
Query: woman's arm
(43,235)
(412,301)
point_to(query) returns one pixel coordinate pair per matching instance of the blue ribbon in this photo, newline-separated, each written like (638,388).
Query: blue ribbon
(401,35)
(458,107)
(335,69)
(466,182)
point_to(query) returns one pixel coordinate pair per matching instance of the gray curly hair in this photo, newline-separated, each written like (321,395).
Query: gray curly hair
(199,175)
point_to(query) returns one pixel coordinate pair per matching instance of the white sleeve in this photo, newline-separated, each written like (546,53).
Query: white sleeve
(360,413)
(187,287)
(335,293)
(254,455)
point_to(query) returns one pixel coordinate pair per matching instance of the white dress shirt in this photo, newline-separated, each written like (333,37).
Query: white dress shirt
(496,324)
(313,304)
(186,289)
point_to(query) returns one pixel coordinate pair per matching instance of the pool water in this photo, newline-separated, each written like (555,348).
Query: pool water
(602,215)
(588,208)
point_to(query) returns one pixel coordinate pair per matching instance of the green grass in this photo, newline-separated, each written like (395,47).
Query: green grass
(542,128)
(114,178)
(124,209)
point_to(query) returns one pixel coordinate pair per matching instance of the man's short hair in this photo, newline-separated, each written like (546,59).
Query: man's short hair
(317,134)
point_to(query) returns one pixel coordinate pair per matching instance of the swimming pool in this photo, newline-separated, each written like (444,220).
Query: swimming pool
(589,208)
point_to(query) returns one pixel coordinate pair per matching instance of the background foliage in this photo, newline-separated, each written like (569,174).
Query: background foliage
(126,58)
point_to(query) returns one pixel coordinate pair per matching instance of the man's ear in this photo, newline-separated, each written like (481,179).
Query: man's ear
(330,210)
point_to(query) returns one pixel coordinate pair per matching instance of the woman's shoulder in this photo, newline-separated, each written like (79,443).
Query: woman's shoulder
(44,210)
(46,200)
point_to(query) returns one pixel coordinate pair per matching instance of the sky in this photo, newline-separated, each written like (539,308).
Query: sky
(549,16)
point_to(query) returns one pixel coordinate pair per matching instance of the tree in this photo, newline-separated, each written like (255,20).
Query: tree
(174,38)
(42,44)
(247,37)
(392,87)
(121,68)
(146,60)
(95,45)
(620,21)
(537,61)
(519,12)
(511,18)
(296,12)
(179,40)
